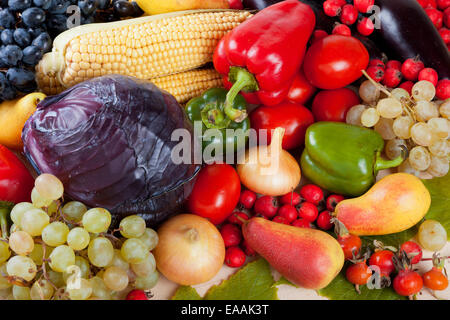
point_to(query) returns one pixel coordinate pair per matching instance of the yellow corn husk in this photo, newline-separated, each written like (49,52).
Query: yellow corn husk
(146,47)
(189,84)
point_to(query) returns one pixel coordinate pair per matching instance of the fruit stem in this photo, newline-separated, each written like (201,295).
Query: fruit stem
(381,163)
(242,80)
(376,84)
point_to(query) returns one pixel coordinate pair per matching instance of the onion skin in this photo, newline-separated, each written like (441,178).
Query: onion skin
(283,181)
(190,250)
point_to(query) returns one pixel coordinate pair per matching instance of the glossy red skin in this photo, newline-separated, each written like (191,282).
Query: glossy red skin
(323,220)
(238,218)
(412,247)
(294,118)
(136,295)
(350,244)
(288,212)
(247,199)
(335,61)
(247,249)
(292,198)
(280,219)
(407,283)
(383,259)
(443,89)
(234,257)
(333,105)
(235,4)
(301,90)
(270,45)
(358,273)
(216,193)
(16,181)
(301,223)
(308,211)
(266,206)
(312,193)
(333,200)
(231,235)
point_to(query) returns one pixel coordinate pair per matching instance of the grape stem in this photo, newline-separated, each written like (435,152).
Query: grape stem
(44,269)
(376,84)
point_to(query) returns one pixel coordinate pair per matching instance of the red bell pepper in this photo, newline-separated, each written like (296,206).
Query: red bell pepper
(263,54)
(16,184)
(293,117)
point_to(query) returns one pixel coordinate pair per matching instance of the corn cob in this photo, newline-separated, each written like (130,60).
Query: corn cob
(187,85)
(146,47)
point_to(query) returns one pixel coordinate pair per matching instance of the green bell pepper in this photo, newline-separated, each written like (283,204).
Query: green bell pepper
(210,110)
(343,158)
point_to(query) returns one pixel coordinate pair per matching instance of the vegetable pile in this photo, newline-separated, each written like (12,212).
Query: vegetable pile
(183,137)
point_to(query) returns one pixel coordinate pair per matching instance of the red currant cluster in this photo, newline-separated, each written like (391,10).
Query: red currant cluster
(393,72)
(439,13)
(306,209)
(350,14)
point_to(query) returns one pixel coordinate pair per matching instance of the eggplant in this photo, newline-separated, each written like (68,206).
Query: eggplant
(109,140)
(407,32)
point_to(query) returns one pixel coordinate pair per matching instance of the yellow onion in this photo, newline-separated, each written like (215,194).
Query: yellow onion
(190,250)
(270,170)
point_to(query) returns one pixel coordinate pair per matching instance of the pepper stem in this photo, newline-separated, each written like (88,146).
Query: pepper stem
(381,163)
(242,80)
(213,117)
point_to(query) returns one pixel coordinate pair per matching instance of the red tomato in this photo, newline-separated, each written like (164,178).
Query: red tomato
(216,192)
(335,61)
(294,118)
(332,105)
(301,90)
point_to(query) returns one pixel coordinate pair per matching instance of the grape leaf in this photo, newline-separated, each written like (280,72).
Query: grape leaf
(341,289)
(283,280)
(186,293)
(253,282)
(440,200)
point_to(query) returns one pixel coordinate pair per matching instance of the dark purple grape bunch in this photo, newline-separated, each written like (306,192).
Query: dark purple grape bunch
(112,10)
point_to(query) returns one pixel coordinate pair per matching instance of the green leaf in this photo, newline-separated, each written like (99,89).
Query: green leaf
(253,282)
(283,280)
(440,200)
(186,293)
(341,289)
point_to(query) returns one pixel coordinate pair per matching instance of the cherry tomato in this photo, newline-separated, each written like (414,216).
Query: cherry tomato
(383,259)
(294,118)
(413,251)
(350,244)
(358,273)
(332,105)
(301,90)
(407,283)
(435,279)
(335,61)
(216,192)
